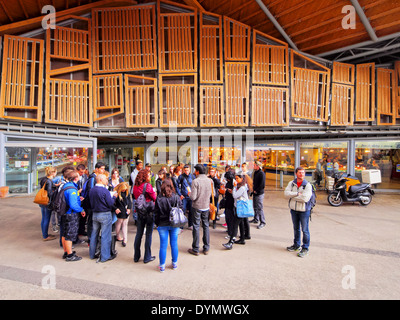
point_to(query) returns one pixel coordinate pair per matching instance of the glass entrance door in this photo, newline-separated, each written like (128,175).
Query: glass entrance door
(18,169)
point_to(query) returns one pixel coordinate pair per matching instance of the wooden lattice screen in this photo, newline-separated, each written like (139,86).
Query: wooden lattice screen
(177,44)
(108,99)
(237,93)
(69,74)
(178,100)
(237,40)
(124,39)
(141,101)
(397,86)
(22,79)
(68,102)
(365,92)
(270,62)
(342,108)
(269,106)
(310,91)
(210,55)
(211,105)
(386,97)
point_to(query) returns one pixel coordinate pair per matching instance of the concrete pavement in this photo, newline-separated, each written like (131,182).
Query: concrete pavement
(354,254)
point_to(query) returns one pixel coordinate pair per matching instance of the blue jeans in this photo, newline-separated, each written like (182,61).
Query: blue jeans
(101,222)
(173,233)
(44,224)
(300,224)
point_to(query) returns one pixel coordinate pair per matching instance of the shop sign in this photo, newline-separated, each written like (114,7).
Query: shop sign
(378,144)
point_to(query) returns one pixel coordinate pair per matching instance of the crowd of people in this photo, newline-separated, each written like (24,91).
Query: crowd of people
(99,205)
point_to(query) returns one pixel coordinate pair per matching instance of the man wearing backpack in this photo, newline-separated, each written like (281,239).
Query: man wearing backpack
(299,193)
(70,218)
(99,168)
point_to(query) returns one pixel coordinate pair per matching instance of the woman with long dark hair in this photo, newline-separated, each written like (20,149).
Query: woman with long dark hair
(238,192)
(142,180)
(164,203)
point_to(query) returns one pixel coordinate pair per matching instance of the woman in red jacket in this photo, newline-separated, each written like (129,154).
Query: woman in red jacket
(142,180)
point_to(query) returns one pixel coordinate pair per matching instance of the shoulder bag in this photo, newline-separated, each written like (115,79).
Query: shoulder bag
(42,196)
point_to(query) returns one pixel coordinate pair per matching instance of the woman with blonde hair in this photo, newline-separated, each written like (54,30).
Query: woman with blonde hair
(122,208)
(51,172)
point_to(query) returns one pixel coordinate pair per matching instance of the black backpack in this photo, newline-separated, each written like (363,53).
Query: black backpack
(142,207)
(60,206)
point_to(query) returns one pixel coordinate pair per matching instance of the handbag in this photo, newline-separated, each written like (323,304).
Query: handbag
(176,216)
(244,208)
(213,208)
(42,196)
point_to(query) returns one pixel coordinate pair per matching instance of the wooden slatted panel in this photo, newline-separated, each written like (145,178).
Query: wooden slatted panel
(211,106)
(365,92)
(124,39)
(70,44)
(211,65)
(342,110)
(310,91)
(270,62)
(397,86)
(386,113)
(22,78)
(178,101)
(68,102)
(237,40)
(270,106)
(237,93)
(141,101)
(177,42)
(108,97)
(343,73)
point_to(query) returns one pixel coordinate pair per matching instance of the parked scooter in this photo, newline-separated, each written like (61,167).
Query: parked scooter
(360,192)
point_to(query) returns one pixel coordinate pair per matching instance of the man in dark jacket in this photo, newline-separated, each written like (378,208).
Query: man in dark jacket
(99,168)
(102,204)
(185,182)
(258,195)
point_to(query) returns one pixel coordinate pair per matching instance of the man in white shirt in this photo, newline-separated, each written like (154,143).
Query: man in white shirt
(139,166)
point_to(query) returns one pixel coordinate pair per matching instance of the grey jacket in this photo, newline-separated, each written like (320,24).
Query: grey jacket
(298,201)
(201,192)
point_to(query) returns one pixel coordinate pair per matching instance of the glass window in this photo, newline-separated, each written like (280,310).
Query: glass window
(322,159)
(160,156)
(278,162)
(18,168)
(58,158)
(379,155)
(219,157)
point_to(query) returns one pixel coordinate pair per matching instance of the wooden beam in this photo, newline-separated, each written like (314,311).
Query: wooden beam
(23,9)
(6,11)
(195,4)
(29,24)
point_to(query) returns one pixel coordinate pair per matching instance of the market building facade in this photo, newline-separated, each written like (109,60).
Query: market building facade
(167,82)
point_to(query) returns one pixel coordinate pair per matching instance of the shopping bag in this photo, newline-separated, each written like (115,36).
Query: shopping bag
(244,208)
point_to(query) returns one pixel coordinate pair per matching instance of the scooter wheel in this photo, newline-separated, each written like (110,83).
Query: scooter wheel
(335,200)
(366,200)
